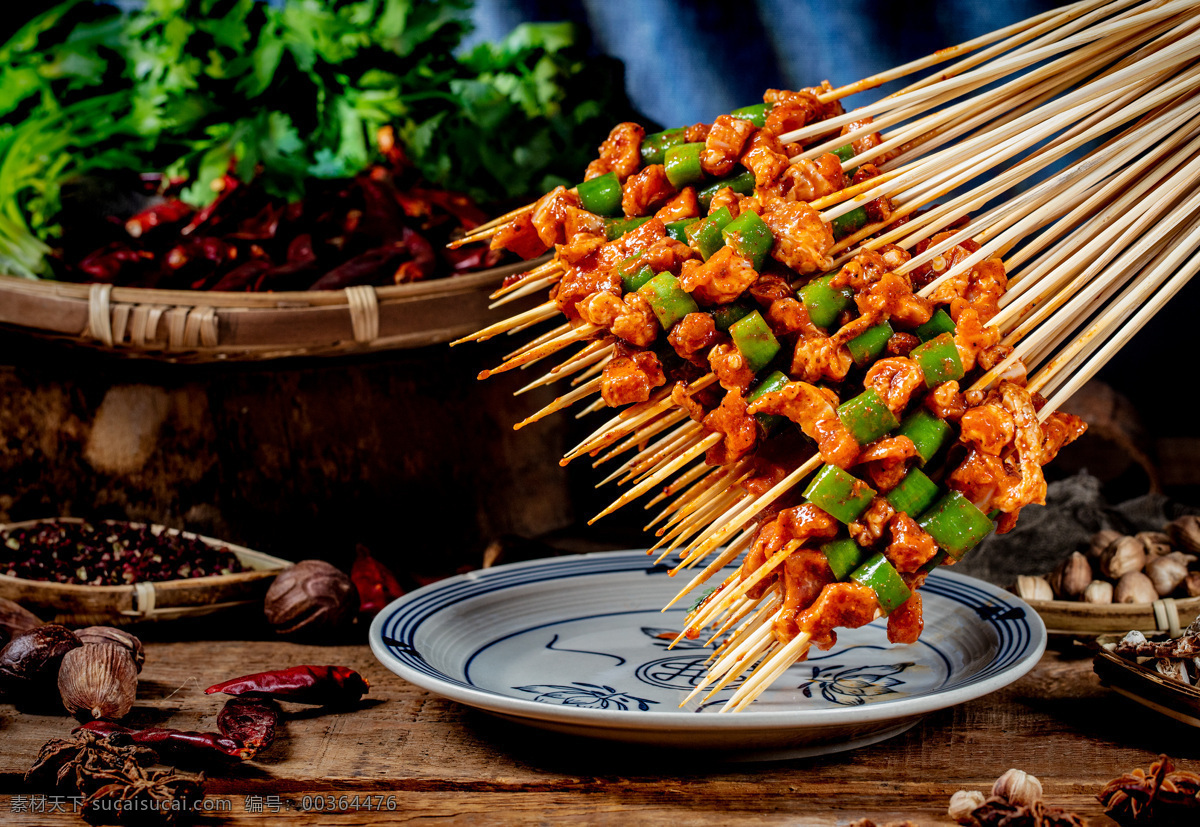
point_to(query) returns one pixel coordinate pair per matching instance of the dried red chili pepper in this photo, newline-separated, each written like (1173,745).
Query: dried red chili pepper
(321,685)
(167,212)
(376,584)
(177,742)
(249,721)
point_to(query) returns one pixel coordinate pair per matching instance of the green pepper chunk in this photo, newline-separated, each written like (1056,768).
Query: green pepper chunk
(614,228)
(725,315)
(683,165)
(654,147)
(927,432)
(844,153)
(705,236)
(634,281)
(849,223)
(955,524)
(756,114)
(935,561)
(881,577)
(667,299)
(750,238)
(938,324)
(839,494)
(843,556)
(823,303)
(678,229)
(869,344)
(742,184)
(939,360)
(754,340)
(866,417)
(913,494)
(601,195)
(774,381)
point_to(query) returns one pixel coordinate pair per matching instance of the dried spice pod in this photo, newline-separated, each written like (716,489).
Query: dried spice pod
(1098,592)
(107,634)
(1168,571)
(962,804)
(1030,587)
(1102,540)
(1018,787)
(322,685)
(1134,587)
(252,722)
(1185,533)
(98,681)
(1191,584)
(15,620)
(1163,795)
(1123,556)
(33,658)
(312,597)
(1071,577)
(184,745)
(1156,543)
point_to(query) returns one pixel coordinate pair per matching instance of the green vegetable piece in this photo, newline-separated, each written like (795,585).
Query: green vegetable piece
(678,229)
(683,165)
(939,360)
(849,223)
(601,195)
(774,381)
(654,147)
(614,228)
(754,340)
(844,153)
(742,184)
(913,494)
(634,281)
(727,314)
(935,561)
(667,299)
(839,494)
(927,432)
(866,416)
(955,524)
(866,346)
(756,114)
(823,303)
(705,236)
(938,324)
(881,576)
(843,556)
(750,238)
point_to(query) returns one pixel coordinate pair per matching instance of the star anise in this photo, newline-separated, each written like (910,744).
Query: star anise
(1163,795)
(155,797)
(84,762)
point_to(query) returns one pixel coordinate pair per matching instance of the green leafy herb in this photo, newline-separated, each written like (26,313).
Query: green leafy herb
(701,599)
(285,93)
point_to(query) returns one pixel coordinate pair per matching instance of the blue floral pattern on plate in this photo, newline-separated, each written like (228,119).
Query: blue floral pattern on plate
(586,696)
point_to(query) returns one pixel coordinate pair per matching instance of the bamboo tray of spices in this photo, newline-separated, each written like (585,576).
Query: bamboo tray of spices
(208,326)
(143,600)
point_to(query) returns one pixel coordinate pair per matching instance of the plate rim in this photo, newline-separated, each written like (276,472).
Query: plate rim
(749,719)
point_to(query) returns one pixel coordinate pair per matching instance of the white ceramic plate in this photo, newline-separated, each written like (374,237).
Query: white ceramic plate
(579,645)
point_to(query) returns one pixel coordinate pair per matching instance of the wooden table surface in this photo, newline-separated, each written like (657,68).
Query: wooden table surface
(424,758)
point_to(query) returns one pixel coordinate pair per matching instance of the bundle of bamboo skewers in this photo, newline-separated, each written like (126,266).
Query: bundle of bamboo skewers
(1026,208)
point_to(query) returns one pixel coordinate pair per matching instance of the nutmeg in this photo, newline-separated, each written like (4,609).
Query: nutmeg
(32,658)
(15,620)
(311,597)
(1134,587)
(1123,556)
(962,804)
(1185,533)
(1098,592)
(1100,541)
(1071,577)
(1156,543)
(1018,787)
(98,680)
(1030,587)
(1167,572)
(107,634)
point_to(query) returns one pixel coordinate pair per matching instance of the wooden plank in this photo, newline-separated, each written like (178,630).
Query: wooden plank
(447,763)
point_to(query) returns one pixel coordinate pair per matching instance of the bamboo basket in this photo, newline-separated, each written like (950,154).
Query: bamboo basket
(1068,617)
(202,326)
(76,605)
